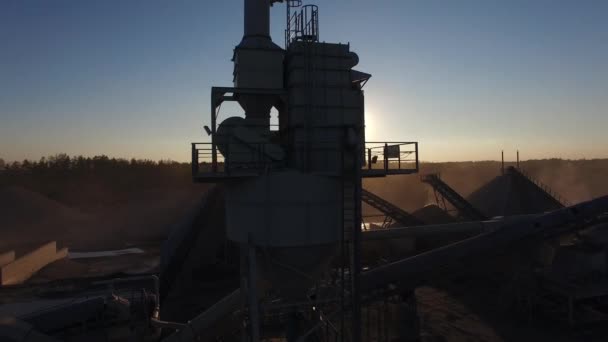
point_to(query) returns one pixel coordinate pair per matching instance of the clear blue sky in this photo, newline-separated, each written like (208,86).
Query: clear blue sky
(465,78)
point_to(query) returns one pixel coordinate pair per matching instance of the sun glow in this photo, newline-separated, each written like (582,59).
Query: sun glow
(370,125)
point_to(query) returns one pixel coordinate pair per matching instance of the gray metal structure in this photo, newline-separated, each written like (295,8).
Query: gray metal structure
(383,282)
(88,309)
(409,272)
(293,195)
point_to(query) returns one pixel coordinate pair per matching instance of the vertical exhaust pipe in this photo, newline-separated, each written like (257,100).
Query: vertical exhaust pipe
(257,19)
(258,64)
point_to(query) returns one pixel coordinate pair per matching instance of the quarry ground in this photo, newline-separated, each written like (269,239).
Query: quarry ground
(143,217)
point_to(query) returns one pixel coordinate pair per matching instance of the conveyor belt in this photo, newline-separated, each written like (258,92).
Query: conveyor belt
(552,195)
(462,205)
(389,209)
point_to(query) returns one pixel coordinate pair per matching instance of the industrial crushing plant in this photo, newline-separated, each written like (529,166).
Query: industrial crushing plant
(278,251)
(306,276)
(306,172)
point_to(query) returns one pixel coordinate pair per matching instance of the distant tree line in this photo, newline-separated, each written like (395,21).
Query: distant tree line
(92,179)
(64,163)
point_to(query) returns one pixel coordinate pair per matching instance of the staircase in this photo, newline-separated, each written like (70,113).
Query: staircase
(463,206)
(389,209)
(560,201)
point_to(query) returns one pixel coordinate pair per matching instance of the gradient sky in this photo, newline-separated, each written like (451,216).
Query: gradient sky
(465,78)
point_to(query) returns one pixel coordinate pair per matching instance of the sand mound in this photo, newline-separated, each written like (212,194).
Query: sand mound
(432,214)
(29,217)
(19,205)
(510,194)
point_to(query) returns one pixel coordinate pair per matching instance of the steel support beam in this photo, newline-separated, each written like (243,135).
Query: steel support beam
(411,271)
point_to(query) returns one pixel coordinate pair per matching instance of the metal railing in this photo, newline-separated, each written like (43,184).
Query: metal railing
(236,159)
(391,158)
(250,158)
(302,25)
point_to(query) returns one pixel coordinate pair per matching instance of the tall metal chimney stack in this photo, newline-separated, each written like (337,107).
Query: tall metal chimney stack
(258,65)
(292,192)
(257,19)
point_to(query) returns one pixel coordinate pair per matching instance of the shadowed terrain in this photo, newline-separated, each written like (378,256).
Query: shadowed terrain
(105,203)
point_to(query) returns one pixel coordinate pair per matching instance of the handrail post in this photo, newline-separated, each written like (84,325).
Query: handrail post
(417,165)
(369,158)
(399,160)
(194,160)
(385,157)
(213,128)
